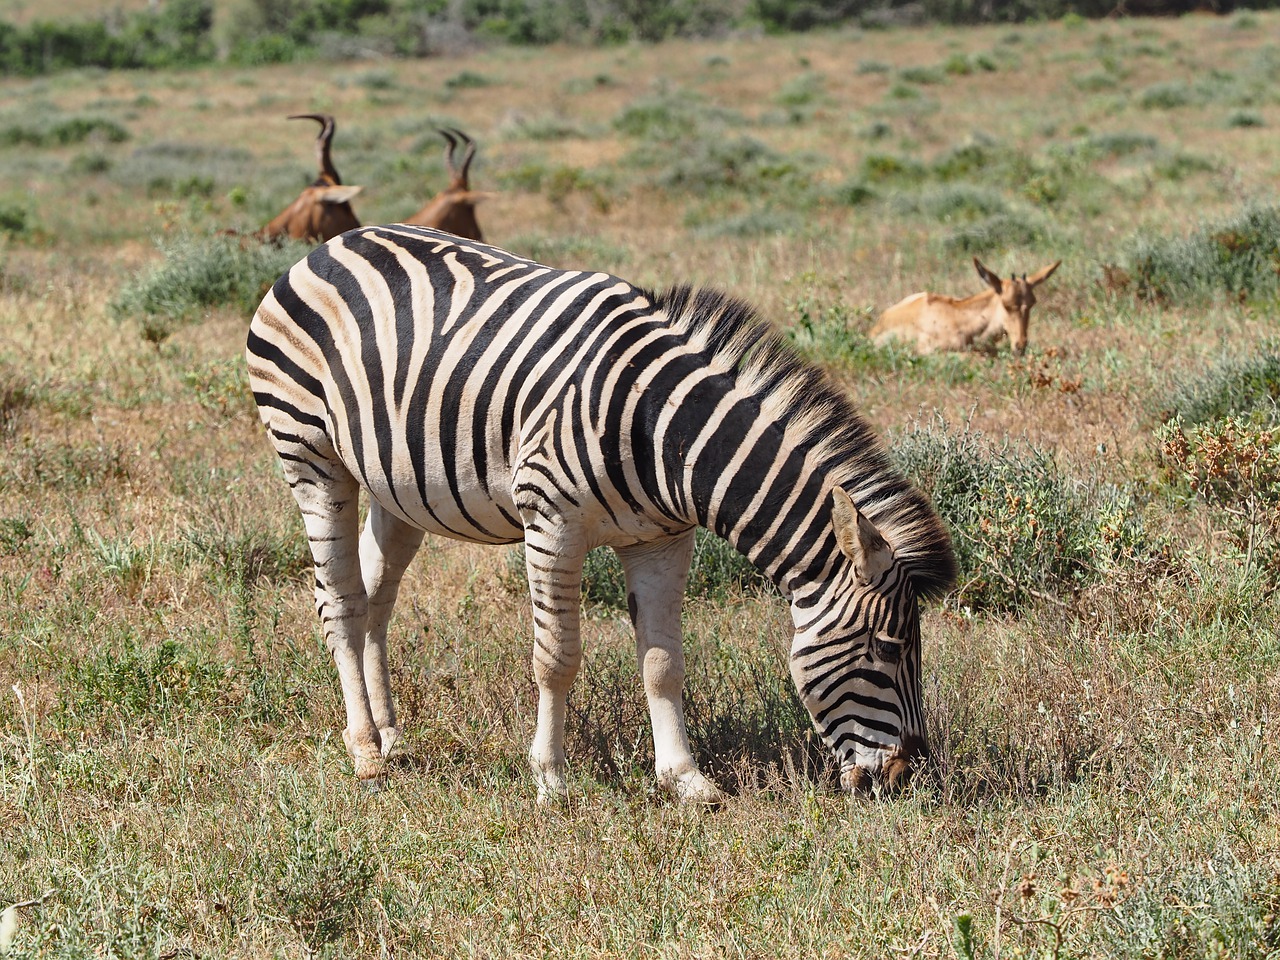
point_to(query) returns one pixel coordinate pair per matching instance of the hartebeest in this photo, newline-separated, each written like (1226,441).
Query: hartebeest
(453,209)
(935,321)
(322,210)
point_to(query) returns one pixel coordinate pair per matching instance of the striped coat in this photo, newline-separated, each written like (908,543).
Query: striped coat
(478,395)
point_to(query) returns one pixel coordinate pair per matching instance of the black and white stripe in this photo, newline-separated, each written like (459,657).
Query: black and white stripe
(485,397)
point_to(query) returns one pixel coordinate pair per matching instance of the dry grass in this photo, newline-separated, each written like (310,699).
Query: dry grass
(172,781)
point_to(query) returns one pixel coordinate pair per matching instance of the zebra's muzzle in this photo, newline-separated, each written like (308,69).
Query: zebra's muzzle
(894,774)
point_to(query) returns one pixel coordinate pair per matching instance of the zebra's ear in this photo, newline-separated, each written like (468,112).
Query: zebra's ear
(859,540)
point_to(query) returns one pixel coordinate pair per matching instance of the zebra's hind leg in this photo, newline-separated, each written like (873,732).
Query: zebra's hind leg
(656,576)
(386,547)
(328,497)
(553,557)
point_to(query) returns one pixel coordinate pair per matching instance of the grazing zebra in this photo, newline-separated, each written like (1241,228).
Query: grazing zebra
(485,397)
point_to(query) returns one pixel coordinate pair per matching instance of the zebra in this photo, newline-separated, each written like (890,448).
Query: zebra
(478,395)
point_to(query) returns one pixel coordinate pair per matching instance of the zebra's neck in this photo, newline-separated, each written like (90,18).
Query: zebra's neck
(753,482)
(752,440)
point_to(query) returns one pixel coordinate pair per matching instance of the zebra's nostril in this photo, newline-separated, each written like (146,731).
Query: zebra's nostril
(857,780)
(897,773)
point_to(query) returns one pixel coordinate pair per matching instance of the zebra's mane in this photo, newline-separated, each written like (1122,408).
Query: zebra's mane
(822,420)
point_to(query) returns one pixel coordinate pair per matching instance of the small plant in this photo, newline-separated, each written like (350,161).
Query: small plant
(468,80)
(1245,118)
(221,387)
(14,534)
(997,232)
(1165,96)
(1233,465)
(319,873)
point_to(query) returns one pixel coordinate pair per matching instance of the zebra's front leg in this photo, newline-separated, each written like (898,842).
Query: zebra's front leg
(386,547)
(656,576)
(553,556)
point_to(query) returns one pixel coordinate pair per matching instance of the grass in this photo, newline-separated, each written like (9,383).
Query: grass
(172,776)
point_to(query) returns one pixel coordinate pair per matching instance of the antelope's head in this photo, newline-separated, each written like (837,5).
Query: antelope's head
(453,209)
(1016,297)
(322,210)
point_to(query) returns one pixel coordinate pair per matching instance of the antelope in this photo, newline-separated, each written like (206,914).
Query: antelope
(322,210)
(938,322)
(453,209)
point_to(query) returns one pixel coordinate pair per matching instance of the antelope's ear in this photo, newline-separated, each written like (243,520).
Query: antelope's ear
(338,194)
(1044,273)
(987,276)
(859,540)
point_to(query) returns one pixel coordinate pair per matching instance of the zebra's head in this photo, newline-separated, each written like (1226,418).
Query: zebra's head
(855,656)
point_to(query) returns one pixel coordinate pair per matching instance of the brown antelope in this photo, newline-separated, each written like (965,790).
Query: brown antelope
(322,210)
(453,209)
(938,322)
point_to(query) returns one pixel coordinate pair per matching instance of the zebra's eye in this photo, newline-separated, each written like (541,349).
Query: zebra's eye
(888,649)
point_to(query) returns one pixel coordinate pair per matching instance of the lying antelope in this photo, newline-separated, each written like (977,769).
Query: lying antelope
(453,209)
(322,210)
(938,322)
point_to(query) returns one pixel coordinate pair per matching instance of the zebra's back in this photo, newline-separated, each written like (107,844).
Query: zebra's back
(430,367)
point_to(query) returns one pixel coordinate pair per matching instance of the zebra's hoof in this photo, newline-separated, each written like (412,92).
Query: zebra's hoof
(696,790)
(365,757)
(392,745)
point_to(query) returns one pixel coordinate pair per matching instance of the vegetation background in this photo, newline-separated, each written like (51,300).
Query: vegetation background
(1101,688)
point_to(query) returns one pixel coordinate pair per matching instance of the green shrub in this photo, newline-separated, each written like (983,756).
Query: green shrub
(1094,82)
(319,873)
(882,168)
(709,162)
(468,80)
(959,202)
(1245,118)
(673,115)
(1239,256)
(1165,96)
(140,684)
(966,160)
(922,75)
(1235,386)
(62,132)
(753,223)
(15,218)
(197,273)
(1022,528)
(801,91)
(1120,144)
(1221,908)
(997,232)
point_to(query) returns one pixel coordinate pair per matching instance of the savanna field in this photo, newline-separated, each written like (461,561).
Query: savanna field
(1102,686)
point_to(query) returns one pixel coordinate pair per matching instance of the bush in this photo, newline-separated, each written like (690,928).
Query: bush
(957,202)
(198,273)
(1239,256)
(178,33)
(998,232)
(1022,528)
(1236,386)
(1233,465)
(61,132)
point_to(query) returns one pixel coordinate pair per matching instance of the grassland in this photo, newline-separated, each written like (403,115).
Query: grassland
(172,779)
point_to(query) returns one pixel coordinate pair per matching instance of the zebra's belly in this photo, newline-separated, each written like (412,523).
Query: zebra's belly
(448,503)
